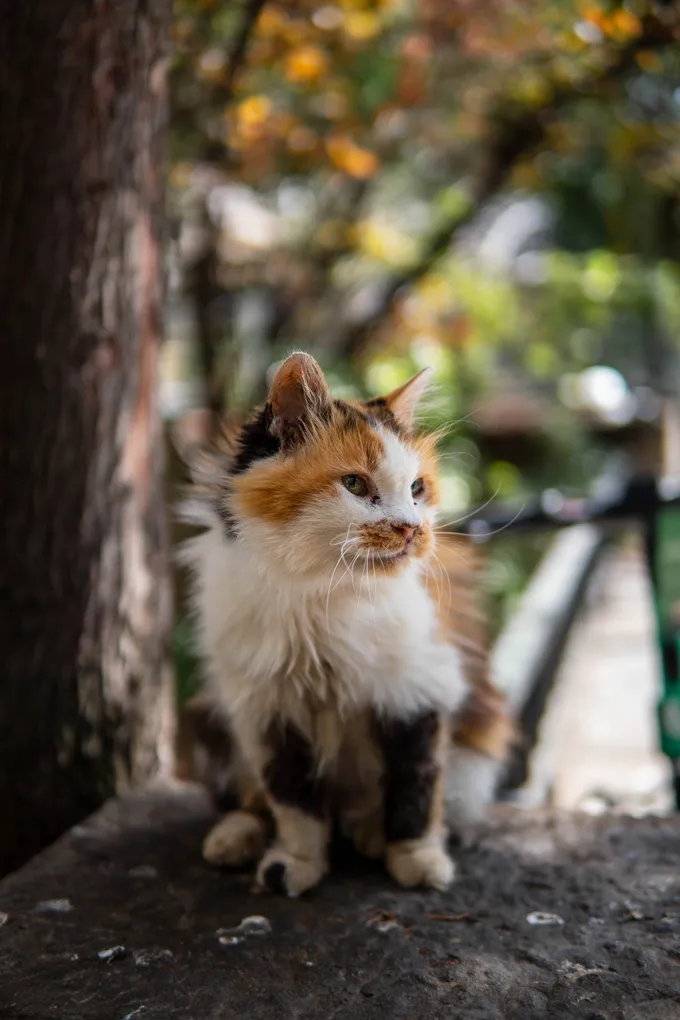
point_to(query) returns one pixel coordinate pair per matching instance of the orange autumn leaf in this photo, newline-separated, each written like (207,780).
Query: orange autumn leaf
(348,156)
(306,64)
(271,21)
(253,111)
(626,24)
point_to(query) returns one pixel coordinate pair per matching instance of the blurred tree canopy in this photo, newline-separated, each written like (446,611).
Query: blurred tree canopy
(484,185)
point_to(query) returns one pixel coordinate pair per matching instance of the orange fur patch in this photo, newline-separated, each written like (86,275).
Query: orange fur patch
(484,725)
(276,490)
(382,538)
(483,722)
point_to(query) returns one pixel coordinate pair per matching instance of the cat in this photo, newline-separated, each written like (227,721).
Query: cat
(345,681)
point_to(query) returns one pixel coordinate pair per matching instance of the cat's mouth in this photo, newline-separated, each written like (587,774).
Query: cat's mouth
(389,557)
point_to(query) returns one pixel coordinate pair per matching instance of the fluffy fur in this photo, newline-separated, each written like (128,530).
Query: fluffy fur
(341,667)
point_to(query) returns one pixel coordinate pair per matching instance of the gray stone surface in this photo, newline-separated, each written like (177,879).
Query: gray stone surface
(120,920)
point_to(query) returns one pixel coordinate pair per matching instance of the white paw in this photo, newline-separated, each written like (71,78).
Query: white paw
(280,872)
(237,839)
(420,864)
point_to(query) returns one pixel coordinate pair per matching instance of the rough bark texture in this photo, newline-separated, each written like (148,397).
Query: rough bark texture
(85,704)
(357,948)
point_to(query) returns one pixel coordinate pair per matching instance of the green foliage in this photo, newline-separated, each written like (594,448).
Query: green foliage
(185,661)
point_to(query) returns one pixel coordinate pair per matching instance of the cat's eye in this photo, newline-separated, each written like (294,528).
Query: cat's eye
(356,485)
(417,487)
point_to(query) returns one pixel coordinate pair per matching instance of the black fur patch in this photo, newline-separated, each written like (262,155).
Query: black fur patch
(275,878)
(224,513)
(290,774)
(256,441)
(378,408)
(212,729)
(209,729)
(351,416)
(410,774)
(225,799)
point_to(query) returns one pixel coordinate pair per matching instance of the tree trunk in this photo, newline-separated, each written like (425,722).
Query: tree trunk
(85,696)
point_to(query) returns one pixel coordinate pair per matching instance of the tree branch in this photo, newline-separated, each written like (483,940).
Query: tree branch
(201,276)
(513,134)
(252,11)
(219,93)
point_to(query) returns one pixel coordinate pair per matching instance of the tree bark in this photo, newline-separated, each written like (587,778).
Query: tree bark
(85,692)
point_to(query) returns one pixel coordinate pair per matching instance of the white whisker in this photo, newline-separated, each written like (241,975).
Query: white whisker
(487,534)
(358,554)
(436,580)
(465,517)
(448,579)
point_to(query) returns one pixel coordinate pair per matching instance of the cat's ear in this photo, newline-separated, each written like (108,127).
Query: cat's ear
(404,401)
(299,396)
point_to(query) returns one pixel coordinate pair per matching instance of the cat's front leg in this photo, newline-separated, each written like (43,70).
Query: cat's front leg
(363,823)
(414,754)
(297,797)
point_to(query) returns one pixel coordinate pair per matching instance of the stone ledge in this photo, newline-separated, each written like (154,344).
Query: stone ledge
(356,949)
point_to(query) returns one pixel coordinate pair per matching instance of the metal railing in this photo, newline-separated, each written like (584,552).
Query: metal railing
(616,501)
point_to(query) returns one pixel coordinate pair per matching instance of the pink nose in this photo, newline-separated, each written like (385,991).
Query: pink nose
(407,531)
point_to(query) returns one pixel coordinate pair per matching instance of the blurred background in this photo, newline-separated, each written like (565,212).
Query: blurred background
(489,187)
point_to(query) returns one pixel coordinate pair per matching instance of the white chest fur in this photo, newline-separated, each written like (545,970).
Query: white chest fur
(274,646)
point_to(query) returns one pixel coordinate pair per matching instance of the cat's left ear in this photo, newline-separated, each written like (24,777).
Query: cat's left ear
(404,401)
(298,396)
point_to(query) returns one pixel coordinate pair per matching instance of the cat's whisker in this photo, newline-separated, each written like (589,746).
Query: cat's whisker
(364,573)
(348,567)
(453,548)
(437,580)
(375,598)
(372,591)
(466,517)
(341,559)
(353,564)
(340,540)
(448,578)
(488,534)
(447,427)
(457,455)
(347,541)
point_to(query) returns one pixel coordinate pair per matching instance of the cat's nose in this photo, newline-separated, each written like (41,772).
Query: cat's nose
(407,531)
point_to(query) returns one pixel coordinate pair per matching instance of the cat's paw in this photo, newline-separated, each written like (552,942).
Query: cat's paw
(280,872)
(416,864)
(237,839)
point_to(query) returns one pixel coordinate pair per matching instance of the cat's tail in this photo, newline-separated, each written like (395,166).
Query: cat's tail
(205,751)
(483,737)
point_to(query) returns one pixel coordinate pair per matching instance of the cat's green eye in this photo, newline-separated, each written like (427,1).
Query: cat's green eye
(417,487)
(356,485)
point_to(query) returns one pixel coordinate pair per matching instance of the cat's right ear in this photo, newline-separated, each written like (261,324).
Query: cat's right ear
(299,397)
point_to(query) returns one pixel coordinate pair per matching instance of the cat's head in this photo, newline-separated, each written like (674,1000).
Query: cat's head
(319,485)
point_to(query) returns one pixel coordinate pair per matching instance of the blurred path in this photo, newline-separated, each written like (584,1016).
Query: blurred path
(597,745)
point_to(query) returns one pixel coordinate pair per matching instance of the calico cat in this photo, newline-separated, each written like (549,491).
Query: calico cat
(346,681)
